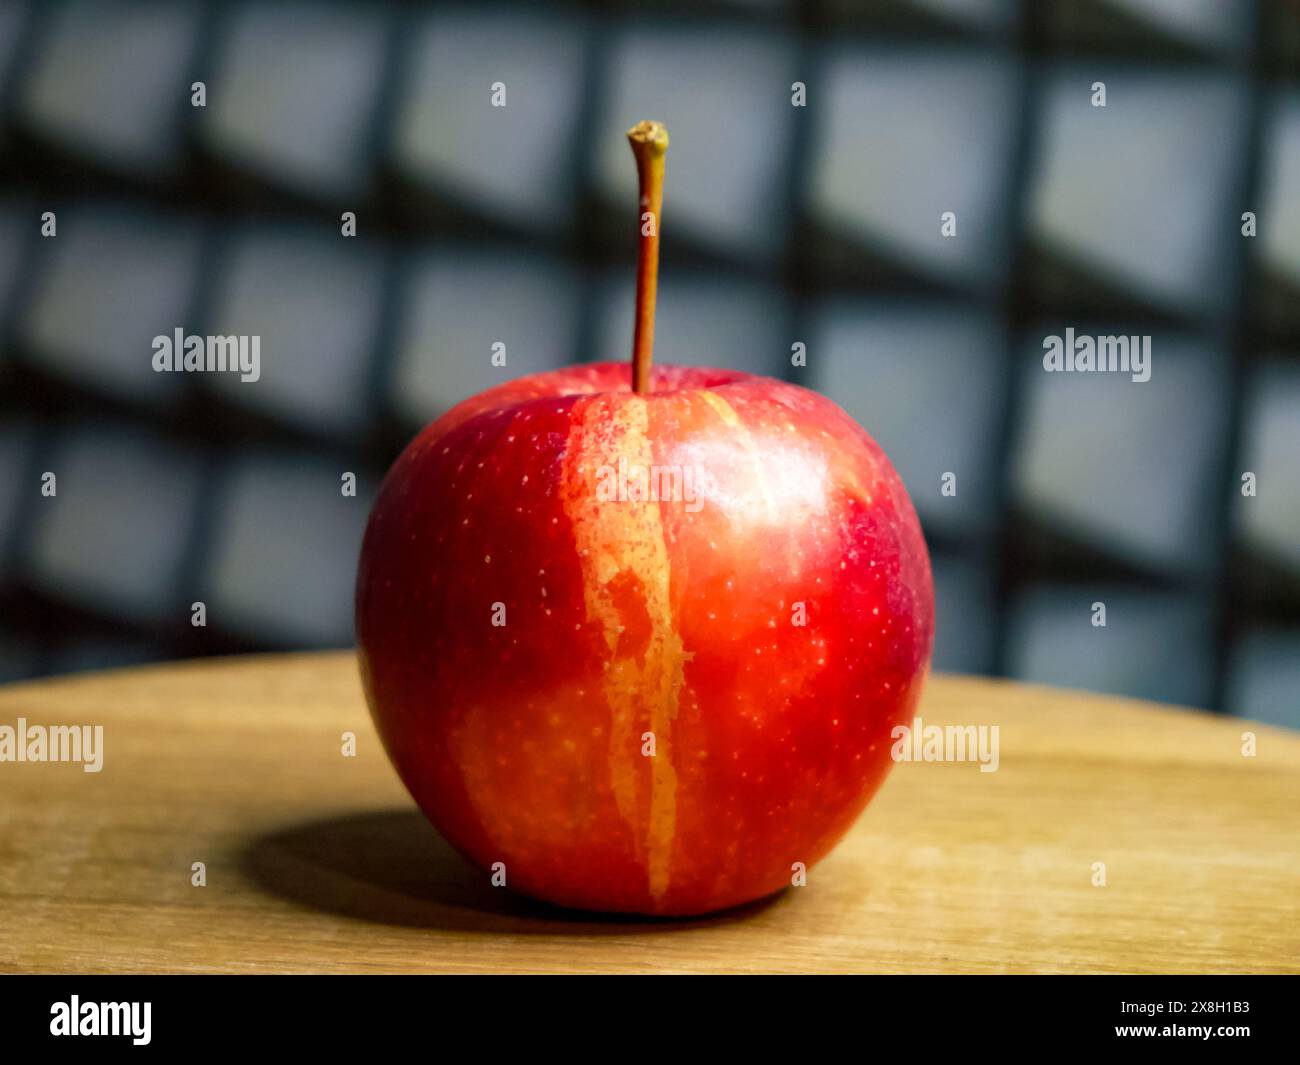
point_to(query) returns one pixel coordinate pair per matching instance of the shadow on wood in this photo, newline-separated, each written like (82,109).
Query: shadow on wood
(392,867)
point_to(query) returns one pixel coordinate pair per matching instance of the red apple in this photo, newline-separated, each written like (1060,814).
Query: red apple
(644,648)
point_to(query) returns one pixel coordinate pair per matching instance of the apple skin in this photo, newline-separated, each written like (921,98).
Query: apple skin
(523,743)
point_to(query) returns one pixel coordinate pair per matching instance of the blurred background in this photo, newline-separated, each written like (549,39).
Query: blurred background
(818,225)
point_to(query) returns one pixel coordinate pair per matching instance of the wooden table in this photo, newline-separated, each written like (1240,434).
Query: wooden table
(320,863)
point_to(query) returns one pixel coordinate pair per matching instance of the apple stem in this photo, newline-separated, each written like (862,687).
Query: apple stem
(649,141)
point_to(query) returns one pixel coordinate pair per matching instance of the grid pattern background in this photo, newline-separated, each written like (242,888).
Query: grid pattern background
(818,225)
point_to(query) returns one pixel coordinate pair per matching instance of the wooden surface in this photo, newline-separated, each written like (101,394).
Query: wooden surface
(316,862)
